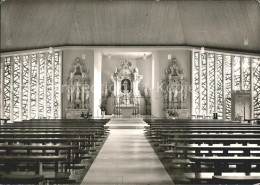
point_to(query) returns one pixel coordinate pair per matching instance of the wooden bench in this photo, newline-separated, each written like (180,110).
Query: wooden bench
(253,119)
(20,178)
(246,150)
(7,160)
(4,119)
(221,163)
(236,179)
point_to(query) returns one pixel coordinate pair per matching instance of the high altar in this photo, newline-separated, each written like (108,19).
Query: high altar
(175,91)
(126,98)
(78,90)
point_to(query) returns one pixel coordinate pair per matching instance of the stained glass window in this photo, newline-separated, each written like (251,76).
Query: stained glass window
(220,85)
(16,84)
(196,83)
(228,86)
(236,73)
(7,87)
(211,88)
(203,84)
(225,74)
(33,82)
(246,73)
(256,82)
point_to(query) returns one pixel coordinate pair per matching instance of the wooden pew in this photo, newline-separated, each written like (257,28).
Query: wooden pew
(174,137)
(73,137)
(246,150)
(236,179)
(20,178)
(221,163)
(4,119)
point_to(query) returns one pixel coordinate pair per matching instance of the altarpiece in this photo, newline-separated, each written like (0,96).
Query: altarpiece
(126,97)
(175,91)
(78,90)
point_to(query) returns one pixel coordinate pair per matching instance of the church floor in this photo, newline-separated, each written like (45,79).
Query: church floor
(127,158)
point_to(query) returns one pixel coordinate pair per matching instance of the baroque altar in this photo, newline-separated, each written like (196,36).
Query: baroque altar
(78,90)
(175,91)
(126,96)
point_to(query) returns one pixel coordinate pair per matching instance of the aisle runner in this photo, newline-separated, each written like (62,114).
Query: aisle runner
(127,158)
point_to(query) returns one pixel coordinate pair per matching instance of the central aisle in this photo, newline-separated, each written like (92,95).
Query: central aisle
(127,158)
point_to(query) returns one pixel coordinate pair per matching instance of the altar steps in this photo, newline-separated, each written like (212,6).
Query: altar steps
(126,123)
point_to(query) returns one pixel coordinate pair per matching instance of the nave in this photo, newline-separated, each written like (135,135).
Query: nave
(163,151)
(127,158)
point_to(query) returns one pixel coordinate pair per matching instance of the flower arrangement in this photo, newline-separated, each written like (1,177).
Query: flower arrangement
(102,107)
(173,113)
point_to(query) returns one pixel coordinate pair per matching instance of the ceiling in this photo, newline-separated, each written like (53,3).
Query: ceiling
(30,24)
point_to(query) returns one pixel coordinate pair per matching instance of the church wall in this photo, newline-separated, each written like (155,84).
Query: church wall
(145,68)
(69,56)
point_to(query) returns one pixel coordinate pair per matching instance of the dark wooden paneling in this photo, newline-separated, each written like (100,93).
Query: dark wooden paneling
(28,24)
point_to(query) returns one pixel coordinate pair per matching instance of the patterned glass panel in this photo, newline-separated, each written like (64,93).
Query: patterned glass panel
(211,88)
(220,85)
(236,73)
(196,83)
(228,86)
(7,87)
(246,73)
(41,85)
(49,86)
(33,86)
(256,66)
(203,84)
(34,78)
(56,85)
(25,88)
(16,86)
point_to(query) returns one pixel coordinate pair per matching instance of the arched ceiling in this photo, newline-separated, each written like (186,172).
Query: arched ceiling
(29,24)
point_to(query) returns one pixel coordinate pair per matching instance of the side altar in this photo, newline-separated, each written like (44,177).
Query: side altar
(175,91)
(126,98)
(78,91)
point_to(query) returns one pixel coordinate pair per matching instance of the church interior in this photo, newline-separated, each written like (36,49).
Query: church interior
(130,92)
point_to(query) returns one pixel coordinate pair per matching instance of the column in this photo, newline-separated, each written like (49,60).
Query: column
(95,74)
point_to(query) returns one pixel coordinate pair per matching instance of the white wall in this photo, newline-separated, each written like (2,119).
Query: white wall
(100,69)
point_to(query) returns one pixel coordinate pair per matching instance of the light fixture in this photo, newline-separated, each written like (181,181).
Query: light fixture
(202,50)
(169,56)
(246,41)
(109,57)
(50,49)
(83,57)
(144,57)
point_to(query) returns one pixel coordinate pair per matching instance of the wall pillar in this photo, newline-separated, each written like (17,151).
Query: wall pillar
(155,95)
(95,101)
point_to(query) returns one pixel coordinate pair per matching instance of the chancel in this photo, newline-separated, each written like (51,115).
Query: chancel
(130,92)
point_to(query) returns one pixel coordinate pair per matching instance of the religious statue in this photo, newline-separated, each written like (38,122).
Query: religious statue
(126,87)
(146,94)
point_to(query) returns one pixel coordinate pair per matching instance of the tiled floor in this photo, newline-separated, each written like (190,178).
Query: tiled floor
(127,158)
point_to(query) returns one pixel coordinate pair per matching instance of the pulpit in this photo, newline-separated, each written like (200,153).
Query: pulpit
(78,90)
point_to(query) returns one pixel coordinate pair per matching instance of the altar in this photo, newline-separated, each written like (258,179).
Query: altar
(126,99)
(127,110)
